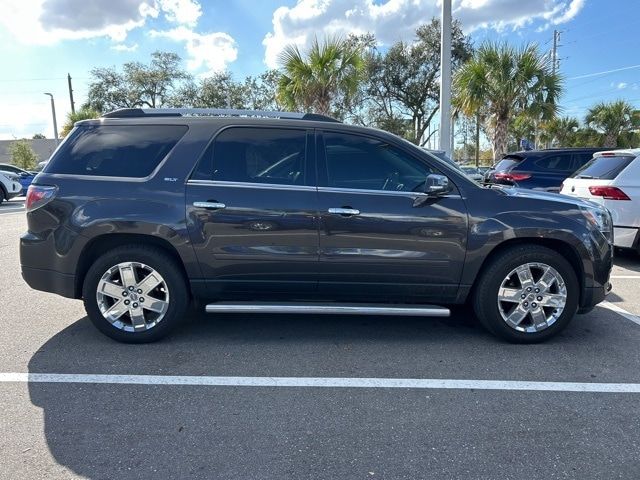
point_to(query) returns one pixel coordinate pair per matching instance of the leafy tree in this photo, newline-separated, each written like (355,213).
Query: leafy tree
(85,113)
(404,81)
(504,81)
(38,136)
(221,91)
(611,120)
(314,81)
(261,92)
(22,155)
(138,85)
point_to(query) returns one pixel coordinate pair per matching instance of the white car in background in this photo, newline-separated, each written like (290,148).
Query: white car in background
(612,179)
(10,186)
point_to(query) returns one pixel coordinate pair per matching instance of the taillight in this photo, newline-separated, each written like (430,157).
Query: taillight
(39,195)
(512,177)
(608,193)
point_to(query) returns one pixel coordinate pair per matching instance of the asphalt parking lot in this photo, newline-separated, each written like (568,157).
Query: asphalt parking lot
(268,396)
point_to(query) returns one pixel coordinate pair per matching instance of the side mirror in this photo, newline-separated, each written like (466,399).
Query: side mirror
(436,185)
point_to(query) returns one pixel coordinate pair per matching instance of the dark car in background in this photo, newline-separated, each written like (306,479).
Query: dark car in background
(539,169)
(25,177)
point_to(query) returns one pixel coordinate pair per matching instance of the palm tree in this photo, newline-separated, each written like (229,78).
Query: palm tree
(312,82)
(85,113)
(611,120)
(561,132)
(503,81)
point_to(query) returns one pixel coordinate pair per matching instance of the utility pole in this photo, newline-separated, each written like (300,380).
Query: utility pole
(73,106)
(445,77)
(53,114)
(555,63)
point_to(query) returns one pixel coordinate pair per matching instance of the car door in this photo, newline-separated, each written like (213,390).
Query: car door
(251,212)
(380,237)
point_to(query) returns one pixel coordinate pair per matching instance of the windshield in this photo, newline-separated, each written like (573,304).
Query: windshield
(604,168)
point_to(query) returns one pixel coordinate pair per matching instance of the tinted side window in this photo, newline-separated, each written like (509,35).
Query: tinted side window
(256,155)
(115,151)
(581,159)
(555,163)
(358,162)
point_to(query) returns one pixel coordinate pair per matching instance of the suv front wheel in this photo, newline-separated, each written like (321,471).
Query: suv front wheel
(526,294)
(135,294)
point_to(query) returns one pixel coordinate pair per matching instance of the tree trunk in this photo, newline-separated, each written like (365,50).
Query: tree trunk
(477,140)
(323,105)
(500,139)
(610,140)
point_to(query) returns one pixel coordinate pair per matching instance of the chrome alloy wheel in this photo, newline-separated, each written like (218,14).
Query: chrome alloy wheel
(132,296)
(532,297)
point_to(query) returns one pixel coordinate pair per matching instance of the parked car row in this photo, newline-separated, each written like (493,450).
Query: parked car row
(539,169)
(609,178)
(23,176)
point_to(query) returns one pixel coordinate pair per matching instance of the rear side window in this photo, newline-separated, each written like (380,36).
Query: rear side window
(256,155)
(555,163)
(507,162)
(604,168)
(115,151)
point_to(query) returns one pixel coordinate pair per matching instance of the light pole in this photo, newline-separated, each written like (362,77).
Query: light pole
(53,114)
(445,77)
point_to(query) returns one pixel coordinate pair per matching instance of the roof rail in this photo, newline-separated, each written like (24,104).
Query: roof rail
(215,112)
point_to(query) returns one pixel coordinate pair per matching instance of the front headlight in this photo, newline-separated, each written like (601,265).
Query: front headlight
(600,218)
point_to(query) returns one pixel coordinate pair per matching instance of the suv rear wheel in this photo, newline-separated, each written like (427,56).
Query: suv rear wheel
(135,294)
(526,294)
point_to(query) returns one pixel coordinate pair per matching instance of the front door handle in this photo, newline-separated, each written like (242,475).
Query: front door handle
(209,205)
(344,211)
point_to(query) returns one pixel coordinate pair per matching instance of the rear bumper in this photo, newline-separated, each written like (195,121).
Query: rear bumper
(50,281)
(625,237)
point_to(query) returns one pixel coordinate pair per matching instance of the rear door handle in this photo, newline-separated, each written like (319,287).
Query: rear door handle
(209,205)
(344,211)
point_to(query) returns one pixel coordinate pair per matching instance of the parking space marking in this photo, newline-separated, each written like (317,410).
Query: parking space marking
(625,276)
(321,382)
(621,311)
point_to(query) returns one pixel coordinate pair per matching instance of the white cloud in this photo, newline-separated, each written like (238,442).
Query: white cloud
(393,20)
(569,13)
(123,47)
(44,22)
(622,85)
(213,51)
(184,12)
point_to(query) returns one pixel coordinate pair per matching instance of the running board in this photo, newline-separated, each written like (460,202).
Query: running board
(329,308)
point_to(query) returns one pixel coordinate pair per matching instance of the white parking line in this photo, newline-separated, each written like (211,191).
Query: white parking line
(321,382)
(625,276)
(621,311)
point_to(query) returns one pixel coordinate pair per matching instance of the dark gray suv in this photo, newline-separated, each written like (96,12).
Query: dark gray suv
(143,211)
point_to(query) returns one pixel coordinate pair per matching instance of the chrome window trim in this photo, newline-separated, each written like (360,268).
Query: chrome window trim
(381,192)
(307,188)
(265,186)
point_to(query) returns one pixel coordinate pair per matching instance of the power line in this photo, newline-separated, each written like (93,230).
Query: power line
(605,72)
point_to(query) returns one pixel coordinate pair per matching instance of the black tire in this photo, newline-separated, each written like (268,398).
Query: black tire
(159,261)
(485,295)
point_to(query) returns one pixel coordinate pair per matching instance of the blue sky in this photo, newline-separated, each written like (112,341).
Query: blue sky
(43,40)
